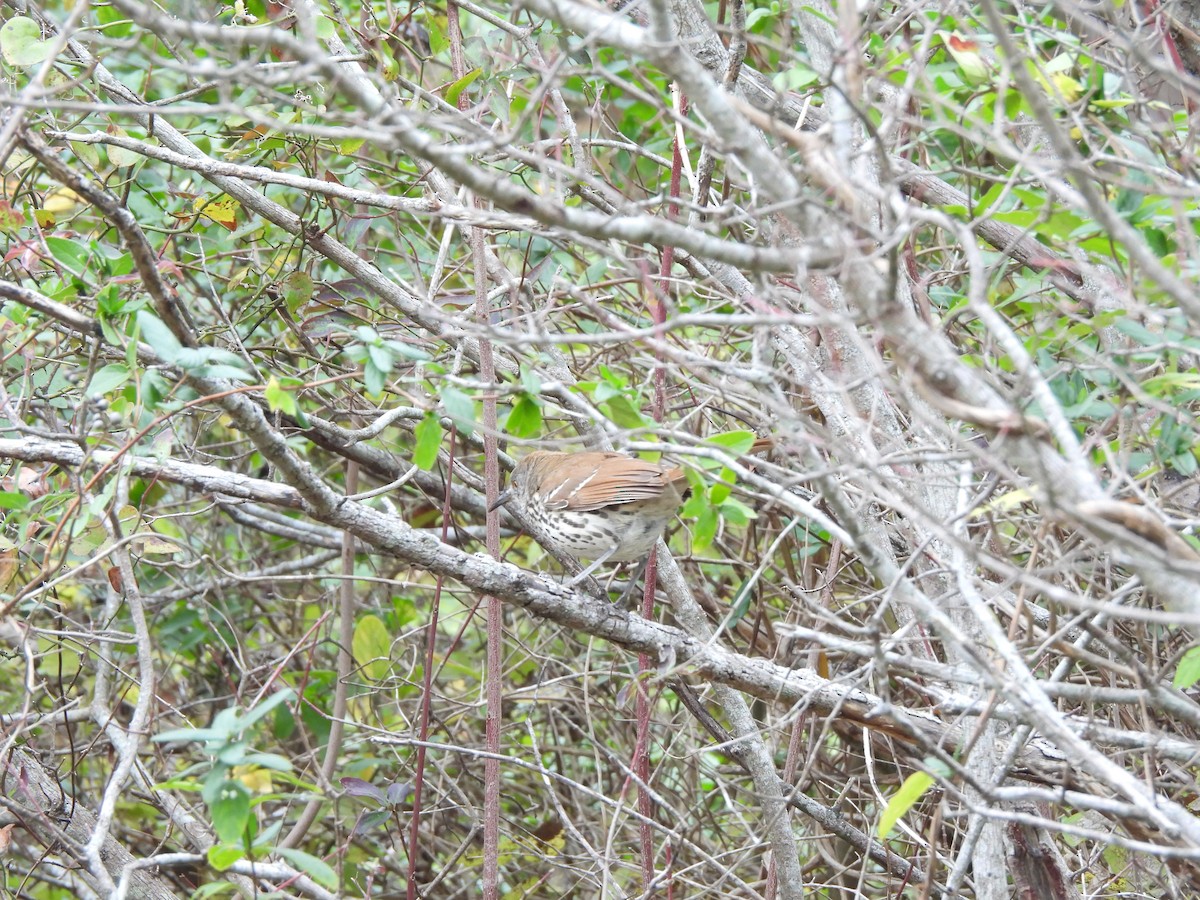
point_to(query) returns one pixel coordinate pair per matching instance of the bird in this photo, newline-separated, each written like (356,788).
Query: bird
(595,505)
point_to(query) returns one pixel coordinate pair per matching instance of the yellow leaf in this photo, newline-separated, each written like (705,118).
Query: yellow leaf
(284,261)
(372,647)
(359,709)
(975,67)
(129,518)
(87,152)
(119,156)
(1005,502)
(236,278)
(914,786)
(1056,83)
(222,210)
(61,200)
(156,544)
(1068,87)
(9,566)
(254,778)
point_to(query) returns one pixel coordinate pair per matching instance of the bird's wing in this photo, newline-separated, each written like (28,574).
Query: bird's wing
(624,480)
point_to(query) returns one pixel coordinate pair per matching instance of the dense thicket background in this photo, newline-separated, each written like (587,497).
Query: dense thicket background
(287,286)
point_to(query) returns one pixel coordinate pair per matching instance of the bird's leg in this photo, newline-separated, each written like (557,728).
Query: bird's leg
(592,567)
(634,579)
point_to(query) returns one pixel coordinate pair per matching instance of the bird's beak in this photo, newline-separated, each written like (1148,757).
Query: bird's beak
(504,497)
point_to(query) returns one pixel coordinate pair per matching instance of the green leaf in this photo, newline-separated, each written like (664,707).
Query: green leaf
(616,379)
(72,257)
(158,336)
(1117,859)
(741,602)
(190,734)
(114,24)
(372,647)
(177,784)
(231,811)
(222,856)
(605,391)
(21,42)
(264,840)
(119,156)
(697,503)
(297,290)
(455,90)
(1163,384)
(11,500)
(1187,673)
(211,361)
(381,357)
(88,153)
(735,442)
(229,755)
(435,25)
(324,28)
(429,441)
(215,888)
(913,788)
(264,708)
(525,418)
(374,379)
(459,407)
(230,373)
(372,820)
(316,869)
(736,513)
(407,351)
(116,267)
(795,78)
(284,724)
(108,379)
(531,382)
(278,399)
(721,489)
(705,529)
(273,761)
(624,414)
(758,15)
